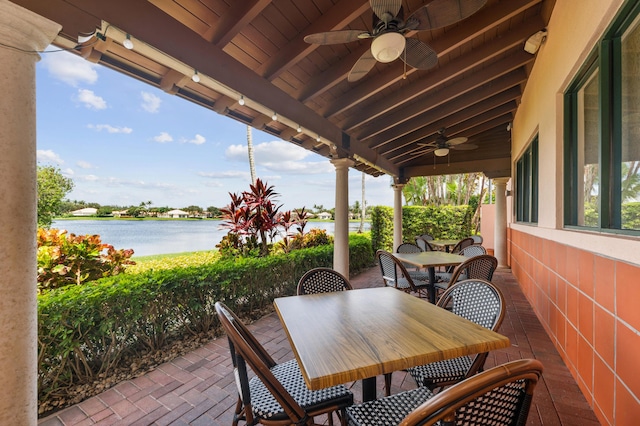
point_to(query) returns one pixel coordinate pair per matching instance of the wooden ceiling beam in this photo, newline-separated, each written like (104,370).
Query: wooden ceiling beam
(432,80)
(459,103)
(444,45)
(498,167)
(433,100)
(483,111)
(239,15)
(337,18)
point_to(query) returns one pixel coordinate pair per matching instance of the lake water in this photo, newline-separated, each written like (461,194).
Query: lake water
(148,237)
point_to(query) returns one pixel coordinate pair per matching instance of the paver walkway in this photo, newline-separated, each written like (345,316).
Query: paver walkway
(198,388)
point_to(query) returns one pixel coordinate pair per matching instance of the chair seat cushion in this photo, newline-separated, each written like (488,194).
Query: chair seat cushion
(419,275)
(288,373)
(442,371)
(390,410)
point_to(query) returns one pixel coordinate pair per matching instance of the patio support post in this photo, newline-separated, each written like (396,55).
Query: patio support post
(341,231)
(21,33)
(500,228)
(397,215)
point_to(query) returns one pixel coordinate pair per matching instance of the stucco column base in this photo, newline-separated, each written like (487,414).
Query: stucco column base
(341,231)
(25,33)
(500,228)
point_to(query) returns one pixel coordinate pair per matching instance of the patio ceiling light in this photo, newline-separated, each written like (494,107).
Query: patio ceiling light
(274,117)
(127,43)
(388,47)
(241,101)
(441,152)
(195,77)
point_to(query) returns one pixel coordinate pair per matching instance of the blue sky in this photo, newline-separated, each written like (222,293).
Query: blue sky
(124,142)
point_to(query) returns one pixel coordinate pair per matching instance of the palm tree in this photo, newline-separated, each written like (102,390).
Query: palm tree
(252,164)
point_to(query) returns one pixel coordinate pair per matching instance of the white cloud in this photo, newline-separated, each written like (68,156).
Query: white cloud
(109,128)
(268,152)
(163,137)
(70,68)
(89,178)
(84,165)
(68,172)
(150,102)
(197,140)
(231,174)
(48,156)
(91,100)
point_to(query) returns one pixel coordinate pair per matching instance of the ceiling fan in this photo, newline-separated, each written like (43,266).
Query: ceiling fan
(442,144)
(389,33)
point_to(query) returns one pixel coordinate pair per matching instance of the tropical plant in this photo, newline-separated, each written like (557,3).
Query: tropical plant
(65,259)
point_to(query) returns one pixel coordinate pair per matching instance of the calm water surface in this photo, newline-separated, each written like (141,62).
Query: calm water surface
(148,237)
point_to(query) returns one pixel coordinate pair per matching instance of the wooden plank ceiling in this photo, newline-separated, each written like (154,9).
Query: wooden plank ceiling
(254,50)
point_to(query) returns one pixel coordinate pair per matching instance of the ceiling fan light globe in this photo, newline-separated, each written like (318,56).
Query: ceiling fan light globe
(388,47)
(441,152)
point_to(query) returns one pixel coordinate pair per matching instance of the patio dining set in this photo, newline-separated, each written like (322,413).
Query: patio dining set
(340,335)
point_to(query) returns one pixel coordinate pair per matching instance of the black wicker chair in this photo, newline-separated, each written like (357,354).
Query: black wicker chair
(322,280)
(477,239)
(394,274)
(472,250)
(478,301)
(424,244)
(462,244)
(414,272)
(277,395)
(478,267)
(499,396)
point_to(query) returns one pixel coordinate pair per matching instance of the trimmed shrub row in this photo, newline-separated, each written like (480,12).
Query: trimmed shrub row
(441,222)
(87,331)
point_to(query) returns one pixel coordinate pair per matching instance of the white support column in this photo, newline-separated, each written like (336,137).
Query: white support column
(500,229)
(397,215)
(341,231)
(25,32)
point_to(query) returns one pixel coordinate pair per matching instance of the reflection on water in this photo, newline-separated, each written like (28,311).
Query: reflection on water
(148,237)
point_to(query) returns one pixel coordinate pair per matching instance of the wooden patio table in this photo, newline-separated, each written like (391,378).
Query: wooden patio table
(354,335)
(431,259)
(445,244)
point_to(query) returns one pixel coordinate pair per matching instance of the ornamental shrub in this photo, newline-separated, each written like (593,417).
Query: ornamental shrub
(65,259)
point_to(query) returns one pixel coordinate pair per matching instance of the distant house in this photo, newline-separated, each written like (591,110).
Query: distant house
(323,215)
(119,213)
(87,211)
(177,214)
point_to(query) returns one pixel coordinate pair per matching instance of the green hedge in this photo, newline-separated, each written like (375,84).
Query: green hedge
(442,222)
(88,330)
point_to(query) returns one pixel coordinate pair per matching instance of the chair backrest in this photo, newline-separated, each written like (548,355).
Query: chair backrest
(478,301)
(392,269)
(462,244)
(501,395)
(245,349)
(478,267)
(426,237)
(424,244)
(472,250)
(408,248)
(477,239)
(322,280)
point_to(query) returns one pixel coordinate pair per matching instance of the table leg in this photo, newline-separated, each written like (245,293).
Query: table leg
(432,286)
(369,389)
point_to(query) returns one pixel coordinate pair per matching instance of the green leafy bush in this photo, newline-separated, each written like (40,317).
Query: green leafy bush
(85,331)
(65,259)
(441,222)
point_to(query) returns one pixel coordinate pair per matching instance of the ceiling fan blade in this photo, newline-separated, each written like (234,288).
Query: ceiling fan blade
(457,141)
(441,13)
(380,7)
(465,147)
(362,66)
(418,54)
(337,37)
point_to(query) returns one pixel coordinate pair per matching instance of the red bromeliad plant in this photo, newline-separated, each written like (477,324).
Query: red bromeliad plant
(254,221)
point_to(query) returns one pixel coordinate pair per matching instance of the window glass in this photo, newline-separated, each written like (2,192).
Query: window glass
(630,144)
(587,155)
